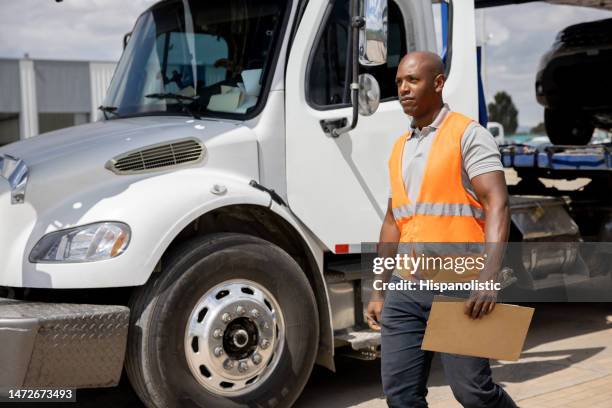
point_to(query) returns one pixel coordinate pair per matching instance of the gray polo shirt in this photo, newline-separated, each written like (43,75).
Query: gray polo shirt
(478,149)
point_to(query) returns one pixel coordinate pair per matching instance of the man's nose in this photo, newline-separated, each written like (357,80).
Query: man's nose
(403,90)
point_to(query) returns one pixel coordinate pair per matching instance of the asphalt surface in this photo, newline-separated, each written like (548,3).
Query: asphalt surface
(568,344)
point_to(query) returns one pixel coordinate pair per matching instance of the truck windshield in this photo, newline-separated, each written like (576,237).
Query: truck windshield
(193,57)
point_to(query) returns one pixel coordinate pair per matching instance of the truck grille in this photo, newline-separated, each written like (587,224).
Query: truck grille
(158,157)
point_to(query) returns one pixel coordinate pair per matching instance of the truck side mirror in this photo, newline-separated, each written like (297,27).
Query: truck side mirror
(373,33)
(369,94)
(369,48)
(126,38)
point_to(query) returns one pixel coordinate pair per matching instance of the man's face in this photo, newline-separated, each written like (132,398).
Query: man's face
(418,88)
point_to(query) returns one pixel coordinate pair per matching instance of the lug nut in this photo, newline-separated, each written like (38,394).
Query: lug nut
(240,310)
(256,358)
(218,333)
(243,366)
(226,317)
(228,364)
(265,343)
(255,314)
(218,351)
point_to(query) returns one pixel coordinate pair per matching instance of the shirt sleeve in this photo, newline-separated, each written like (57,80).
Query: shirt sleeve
(479,151)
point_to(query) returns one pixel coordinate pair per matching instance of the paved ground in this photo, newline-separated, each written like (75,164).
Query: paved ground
(567,362)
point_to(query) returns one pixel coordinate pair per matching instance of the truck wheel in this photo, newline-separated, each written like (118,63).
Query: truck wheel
(567,128)
(231,321)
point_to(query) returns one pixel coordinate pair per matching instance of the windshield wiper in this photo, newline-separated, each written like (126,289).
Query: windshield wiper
(180,99)
(108,109)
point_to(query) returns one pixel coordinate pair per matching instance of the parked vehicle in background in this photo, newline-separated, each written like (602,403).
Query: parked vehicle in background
(539,141)
(601,137)
(497,130)
(519,138)
(573,83)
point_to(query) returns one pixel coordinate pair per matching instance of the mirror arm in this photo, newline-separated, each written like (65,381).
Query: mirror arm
(356,23)
(126,38)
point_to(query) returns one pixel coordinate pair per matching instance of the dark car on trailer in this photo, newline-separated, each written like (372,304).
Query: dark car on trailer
(573,83)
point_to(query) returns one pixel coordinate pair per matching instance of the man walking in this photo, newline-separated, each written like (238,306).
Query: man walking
(447,185)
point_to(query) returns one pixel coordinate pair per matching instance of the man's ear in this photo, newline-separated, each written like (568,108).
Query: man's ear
(439,82)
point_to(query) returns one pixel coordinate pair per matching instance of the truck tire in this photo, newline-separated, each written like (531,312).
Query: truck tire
(565,127)
(231,321)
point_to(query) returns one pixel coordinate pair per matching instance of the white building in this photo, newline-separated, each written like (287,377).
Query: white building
(37,96)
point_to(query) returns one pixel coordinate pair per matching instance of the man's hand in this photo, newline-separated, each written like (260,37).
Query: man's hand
(387,248)
(480,303)
(374,311)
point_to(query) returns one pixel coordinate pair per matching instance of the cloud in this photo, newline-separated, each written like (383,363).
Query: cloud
(73,29)
(495,31)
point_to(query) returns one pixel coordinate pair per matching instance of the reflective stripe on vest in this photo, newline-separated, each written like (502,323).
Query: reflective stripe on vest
(444,211)
(459,210)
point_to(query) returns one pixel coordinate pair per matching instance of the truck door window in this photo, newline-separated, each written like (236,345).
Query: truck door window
(326,87)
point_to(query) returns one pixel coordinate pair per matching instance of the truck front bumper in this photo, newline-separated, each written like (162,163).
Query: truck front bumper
(61,344)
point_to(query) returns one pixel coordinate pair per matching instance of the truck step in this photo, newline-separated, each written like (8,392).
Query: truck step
(343,272)
(558,280)
(570,274)
(361,339)
(365,354)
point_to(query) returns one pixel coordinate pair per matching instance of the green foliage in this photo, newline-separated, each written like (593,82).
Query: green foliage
(538,129)
(502,110)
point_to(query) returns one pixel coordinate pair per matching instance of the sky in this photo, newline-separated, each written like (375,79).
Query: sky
(93,30)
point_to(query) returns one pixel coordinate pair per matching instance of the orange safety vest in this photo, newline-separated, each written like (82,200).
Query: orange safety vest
(444,211)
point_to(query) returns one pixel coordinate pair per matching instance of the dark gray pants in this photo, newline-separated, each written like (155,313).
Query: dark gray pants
(405,367)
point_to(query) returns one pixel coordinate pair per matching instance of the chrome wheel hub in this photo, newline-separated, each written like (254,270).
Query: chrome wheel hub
(234,337)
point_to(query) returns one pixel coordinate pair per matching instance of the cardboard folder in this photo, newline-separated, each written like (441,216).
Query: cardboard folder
(498,335)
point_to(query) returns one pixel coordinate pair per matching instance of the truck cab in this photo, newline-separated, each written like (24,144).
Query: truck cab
(205,233)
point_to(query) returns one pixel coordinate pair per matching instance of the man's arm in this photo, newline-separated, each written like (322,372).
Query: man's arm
(387,247)
(491,190)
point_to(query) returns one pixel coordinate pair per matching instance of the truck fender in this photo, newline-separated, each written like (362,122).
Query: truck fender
(179,197)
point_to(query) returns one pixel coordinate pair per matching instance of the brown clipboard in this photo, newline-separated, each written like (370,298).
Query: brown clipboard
(499,335)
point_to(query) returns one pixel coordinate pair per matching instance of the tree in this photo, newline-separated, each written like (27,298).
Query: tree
(504,112)
(538,129)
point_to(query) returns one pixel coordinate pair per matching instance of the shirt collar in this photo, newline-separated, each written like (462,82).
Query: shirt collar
(436,122)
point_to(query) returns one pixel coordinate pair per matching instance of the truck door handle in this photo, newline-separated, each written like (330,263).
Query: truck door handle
(330,124)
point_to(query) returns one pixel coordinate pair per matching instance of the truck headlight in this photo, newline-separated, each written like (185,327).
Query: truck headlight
(87,243)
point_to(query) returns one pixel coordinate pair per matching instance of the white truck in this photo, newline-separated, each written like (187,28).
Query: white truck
(205,234)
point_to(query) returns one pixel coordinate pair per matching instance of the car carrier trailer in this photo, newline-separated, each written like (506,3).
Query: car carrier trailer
(586,173)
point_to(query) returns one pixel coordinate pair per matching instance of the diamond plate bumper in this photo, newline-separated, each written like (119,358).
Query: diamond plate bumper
(61,345)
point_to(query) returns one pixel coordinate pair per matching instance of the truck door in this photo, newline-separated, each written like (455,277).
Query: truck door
(339,186)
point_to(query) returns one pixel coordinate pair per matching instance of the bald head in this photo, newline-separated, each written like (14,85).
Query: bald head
(419,80)
(429,62)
